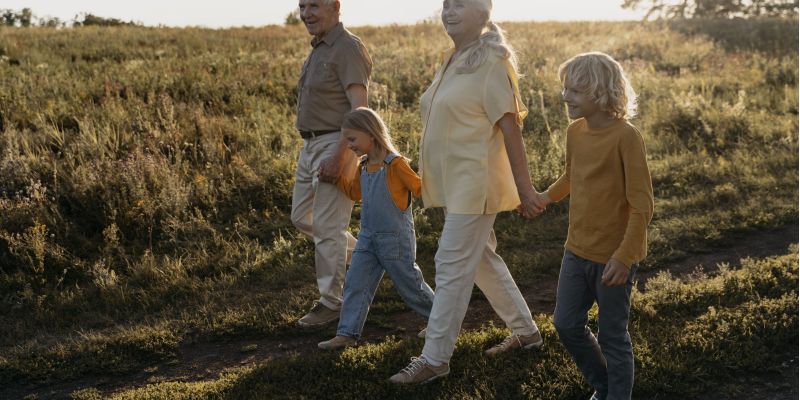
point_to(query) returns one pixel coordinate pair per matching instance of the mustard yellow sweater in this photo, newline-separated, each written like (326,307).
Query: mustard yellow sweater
(611,194)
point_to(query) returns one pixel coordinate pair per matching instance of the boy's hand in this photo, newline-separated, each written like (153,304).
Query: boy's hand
(529,207)
(615,273)
(542,200)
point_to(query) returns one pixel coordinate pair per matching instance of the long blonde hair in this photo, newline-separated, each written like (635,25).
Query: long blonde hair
(366,120)
(602,78)
(492,40)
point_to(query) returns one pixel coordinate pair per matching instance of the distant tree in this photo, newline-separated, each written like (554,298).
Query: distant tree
(51,22)
(25,17)
(8,17)
(293,18)
(94,20)
(681,9)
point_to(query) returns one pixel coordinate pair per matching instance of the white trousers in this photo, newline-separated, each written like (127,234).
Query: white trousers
(322,211)
(466,255)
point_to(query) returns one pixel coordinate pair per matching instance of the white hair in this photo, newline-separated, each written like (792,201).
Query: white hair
(491,40)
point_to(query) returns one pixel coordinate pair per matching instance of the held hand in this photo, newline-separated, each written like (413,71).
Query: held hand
(330,169)
(615,273)
(529,206)
(542,200)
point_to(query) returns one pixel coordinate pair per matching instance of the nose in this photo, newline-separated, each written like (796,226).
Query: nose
(303,12)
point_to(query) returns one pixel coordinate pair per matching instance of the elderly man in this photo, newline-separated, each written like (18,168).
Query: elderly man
(333,81)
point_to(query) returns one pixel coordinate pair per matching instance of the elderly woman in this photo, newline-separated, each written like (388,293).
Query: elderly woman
(473,164)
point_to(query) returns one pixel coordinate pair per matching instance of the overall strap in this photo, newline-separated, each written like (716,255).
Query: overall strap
(389,158)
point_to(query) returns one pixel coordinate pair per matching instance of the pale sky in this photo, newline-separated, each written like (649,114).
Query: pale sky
(220,14)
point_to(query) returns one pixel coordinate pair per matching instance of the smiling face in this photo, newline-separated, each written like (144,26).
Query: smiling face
(463,18)
(318,17)
(579,103)
(361,143)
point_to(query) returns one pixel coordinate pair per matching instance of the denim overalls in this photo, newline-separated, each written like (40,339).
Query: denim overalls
(386,242)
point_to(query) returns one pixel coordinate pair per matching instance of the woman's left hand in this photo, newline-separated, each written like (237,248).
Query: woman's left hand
(530,204)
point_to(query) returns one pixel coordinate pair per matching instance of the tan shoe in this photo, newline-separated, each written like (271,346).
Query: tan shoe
(419,371)
(517,342)
(339,342)
(318,316)
(421,334)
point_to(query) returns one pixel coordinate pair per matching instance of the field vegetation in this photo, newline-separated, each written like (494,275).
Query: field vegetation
(146,190)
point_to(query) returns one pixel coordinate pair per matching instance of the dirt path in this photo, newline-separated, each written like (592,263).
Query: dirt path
(203,360)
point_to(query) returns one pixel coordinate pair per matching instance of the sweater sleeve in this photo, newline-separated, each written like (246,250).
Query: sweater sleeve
(402,179)
(351,186)
(639,195)
(411,181)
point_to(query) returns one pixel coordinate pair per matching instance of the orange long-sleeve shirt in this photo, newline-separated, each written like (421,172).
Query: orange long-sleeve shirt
(400,179)
(611,193)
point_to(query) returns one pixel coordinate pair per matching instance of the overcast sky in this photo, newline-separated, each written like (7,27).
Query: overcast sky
(219,14)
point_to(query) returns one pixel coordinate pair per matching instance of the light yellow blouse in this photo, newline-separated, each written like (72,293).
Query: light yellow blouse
(463,161)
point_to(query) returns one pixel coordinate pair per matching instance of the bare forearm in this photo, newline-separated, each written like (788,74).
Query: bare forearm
(357,96)
(515,147)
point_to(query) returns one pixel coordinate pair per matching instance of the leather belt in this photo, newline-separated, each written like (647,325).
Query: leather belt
(313,134)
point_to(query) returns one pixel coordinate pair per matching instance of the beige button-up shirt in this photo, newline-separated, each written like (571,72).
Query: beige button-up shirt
(463,161)
(337,61)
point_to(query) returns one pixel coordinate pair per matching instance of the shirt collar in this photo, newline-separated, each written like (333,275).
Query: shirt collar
(329,37)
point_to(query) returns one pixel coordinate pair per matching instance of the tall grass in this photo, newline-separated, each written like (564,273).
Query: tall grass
(147,173)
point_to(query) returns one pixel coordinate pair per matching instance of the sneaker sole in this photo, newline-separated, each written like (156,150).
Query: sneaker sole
(534,346)
(307,325)
(421,383)
(434,378)
(337,348)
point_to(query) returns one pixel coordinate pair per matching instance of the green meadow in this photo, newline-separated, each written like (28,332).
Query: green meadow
(145,192)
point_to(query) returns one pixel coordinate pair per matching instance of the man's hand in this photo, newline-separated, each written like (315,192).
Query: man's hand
(615,273)
(330,169)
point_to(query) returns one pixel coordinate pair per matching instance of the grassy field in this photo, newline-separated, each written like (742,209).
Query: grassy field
(146,189)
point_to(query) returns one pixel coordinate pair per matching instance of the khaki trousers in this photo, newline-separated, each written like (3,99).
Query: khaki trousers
(466,255)
(322,211)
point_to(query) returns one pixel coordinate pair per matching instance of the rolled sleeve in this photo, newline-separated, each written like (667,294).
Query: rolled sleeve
(356,65)
(501,93)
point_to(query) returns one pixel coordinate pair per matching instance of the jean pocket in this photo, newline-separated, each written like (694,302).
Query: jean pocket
(632,274)
(388,245)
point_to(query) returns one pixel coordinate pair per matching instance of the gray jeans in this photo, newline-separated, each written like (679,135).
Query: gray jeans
(606,361)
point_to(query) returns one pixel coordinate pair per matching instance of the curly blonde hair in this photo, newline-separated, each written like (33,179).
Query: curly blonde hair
(602,78)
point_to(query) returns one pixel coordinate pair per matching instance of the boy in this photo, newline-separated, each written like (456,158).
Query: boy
(611,204)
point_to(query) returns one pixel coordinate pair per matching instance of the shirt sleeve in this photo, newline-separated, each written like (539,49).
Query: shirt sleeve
(351,186)
(639,194)
(401,180)
(501,93)
(411,181)
(355,65)
(561,187)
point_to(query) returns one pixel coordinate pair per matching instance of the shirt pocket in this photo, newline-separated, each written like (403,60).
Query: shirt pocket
(324,77)
(388,245)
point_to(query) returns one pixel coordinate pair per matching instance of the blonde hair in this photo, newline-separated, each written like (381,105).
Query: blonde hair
(366,120)
(491,40)
(602,78)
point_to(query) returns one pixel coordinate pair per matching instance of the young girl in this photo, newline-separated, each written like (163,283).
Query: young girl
(384,183)
(611,204)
